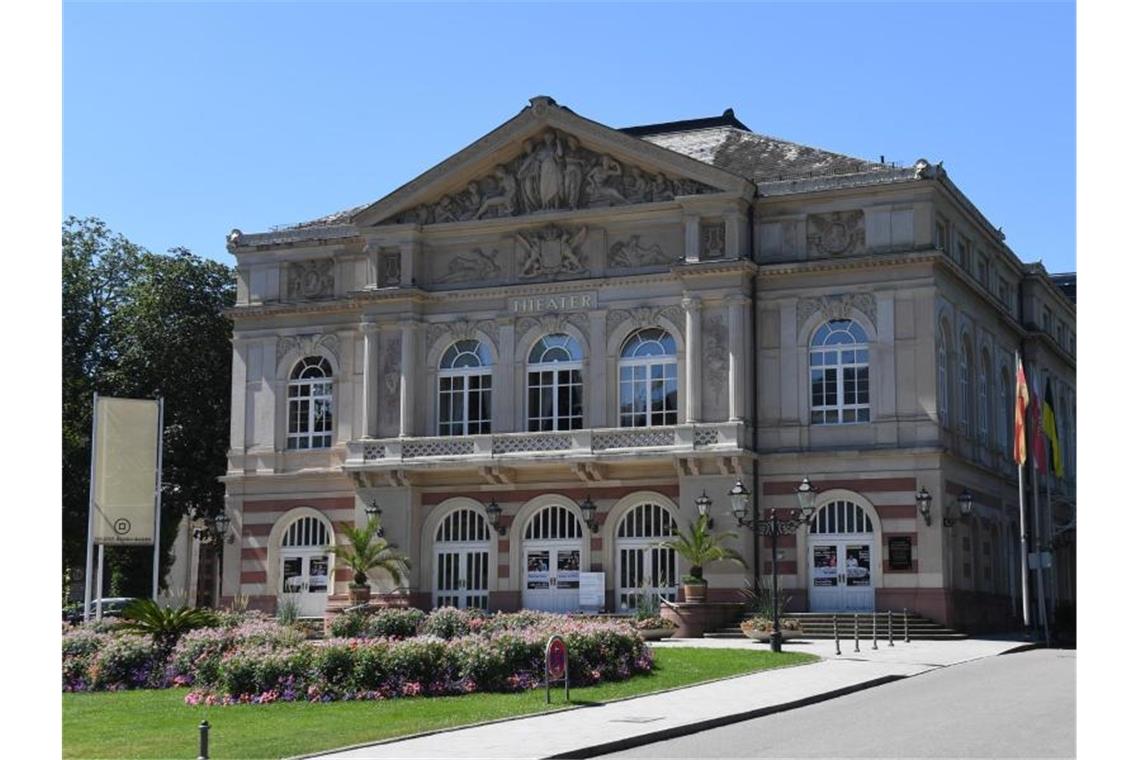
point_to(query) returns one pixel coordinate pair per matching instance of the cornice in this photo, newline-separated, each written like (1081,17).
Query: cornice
(865,261)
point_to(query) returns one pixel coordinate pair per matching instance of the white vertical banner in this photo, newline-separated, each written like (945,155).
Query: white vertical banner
(125,466)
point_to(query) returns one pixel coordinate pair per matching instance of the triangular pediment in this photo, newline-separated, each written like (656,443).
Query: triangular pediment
(548,159)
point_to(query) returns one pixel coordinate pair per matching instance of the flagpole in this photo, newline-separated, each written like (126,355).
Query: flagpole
(1024,547)
(88,572)
(158,503)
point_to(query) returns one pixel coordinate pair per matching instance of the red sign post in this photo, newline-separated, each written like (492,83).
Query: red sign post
(557,665)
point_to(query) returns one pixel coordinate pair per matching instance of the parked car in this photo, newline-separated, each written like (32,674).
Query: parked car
(112,608)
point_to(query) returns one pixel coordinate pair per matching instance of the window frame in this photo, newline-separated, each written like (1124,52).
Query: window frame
(840,368)
(309,435)
(484,371)
(669,383)
(567,376)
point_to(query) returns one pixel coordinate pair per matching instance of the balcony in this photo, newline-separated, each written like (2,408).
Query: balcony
(517,448)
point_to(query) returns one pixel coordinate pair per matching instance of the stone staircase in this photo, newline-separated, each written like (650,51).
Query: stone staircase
(821,625)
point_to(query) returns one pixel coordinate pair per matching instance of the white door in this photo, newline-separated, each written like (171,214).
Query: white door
(305,580)
(461,578)
(841,559)
(552,576)
(645,571)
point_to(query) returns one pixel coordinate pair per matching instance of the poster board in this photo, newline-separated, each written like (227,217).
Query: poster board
(592,591)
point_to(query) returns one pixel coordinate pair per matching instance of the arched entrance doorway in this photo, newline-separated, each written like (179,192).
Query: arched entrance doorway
(462,563)
(841,555)
(643,565)
(306,561)
(552,552)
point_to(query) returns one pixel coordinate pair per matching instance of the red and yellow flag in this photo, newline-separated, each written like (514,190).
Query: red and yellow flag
(1020,405)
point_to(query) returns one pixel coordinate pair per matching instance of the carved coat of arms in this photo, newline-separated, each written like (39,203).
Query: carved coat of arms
(551,251)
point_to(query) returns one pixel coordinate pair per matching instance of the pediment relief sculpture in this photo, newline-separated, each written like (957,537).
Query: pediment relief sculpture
(836,233)
(553,173)
(310,279)
(476,265)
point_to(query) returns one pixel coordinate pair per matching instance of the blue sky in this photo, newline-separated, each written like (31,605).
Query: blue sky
(182,121)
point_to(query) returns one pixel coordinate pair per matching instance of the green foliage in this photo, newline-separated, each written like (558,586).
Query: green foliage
(757,598)
(446,623)
(288,609)
(699,546)
(384,623)
(165,625)
(365,552)
(141,325)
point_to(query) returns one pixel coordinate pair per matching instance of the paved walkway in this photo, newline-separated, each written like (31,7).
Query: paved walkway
(589,729)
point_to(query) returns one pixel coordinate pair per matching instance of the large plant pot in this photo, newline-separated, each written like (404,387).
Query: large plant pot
(695,592)
(656,634)
(359,594)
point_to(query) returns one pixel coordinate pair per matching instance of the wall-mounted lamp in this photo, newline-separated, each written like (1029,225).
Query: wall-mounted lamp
(965,507)
(589,511)
(739,499)
(922,500)
(703,503)
(495,516)
(373,511)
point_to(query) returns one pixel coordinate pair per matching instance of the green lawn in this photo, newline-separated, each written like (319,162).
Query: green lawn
(158,724)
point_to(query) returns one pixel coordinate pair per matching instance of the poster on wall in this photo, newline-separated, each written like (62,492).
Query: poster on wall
(824,570)
(858,565)
(319,574)
(291,575)
(899,552)
(568,565)
(537,569)
(592,591)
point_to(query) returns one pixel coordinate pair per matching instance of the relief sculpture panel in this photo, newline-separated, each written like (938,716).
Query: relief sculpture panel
(714,356)
(837,233)
(311,279)
(553,173)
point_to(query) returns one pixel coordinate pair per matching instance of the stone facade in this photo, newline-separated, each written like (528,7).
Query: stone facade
(556,225)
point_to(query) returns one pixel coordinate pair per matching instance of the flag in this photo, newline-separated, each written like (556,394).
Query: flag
(1049,426)
(1035,431)
(1021,401)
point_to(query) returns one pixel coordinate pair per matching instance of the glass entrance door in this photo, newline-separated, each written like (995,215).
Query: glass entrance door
(551,577)
(841,578)
(305,579)
(461,578)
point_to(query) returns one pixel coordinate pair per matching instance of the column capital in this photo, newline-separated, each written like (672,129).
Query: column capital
(369,324)
(736,299)
(690,302)
(410,324)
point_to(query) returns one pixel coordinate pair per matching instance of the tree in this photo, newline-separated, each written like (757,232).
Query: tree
(141,325)
(363,553)
(700,546)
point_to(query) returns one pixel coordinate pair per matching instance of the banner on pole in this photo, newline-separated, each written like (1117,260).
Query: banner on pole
(125,471)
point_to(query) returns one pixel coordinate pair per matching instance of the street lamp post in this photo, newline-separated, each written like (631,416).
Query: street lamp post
(773,527)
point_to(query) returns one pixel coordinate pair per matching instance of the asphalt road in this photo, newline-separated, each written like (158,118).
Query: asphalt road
(1013,706)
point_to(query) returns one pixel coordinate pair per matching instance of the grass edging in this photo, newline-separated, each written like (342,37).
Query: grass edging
(567,708)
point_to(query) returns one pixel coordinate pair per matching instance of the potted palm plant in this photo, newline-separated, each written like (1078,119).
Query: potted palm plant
(700,546)
(364,552)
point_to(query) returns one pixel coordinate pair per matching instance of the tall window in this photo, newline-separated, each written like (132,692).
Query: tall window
(984,399)
(310,404)
(840,376)
(465,389)
(1005,435)
(554,384)
(943,380)
(965,370)
(647,376)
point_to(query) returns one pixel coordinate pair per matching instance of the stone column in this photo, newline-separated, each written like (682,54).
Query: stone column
(503,406)
(692,238)
(737,361)
(692,307)
(370,398)
(598,372)
(407,377)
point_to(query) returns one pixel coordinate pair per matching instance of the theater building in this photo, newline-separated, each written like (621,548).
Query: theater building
(565,311)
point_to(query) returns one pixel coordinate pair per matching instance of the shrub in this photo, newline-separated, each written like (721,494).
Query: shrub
(165,625)
(79,647)
(446,623)
(125,662)
(198,654)
(652,622)
(348,624)
(395,623)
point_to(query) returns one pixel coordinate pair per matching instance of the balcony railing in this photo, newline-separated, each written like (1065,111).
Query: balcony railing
(588,443)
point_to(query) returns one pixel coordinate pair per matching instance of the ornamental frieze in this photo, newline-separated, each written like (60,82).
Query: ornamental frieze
(631,253)
(308,345)
(553,173)
(310,279)
(642,317)
(837,233)
(476,266)
(551,323)
(837,307)
(461,329)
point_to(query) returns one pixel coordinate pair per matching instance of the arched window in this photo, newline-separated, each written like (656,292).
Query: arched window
(841,517)
(310,404)
(462,568)
(1005,435)
(840,374)
(646,571)
(554,384)
(944,378)
(465,389)
(965,371)
(984,399)
(647,379)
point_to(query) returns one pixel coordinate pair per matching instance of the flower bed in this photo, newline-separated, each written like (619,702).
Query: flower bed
(455,652)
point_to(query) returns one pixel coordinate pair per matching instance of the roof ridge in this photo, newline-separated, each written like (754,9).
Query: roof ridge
(726,119)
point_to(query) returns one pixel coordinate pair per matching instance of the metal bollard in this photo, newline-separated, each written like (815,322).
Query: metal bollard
(204,740)
(856,631)
(890,628)
(906,627)
(875,631)
(835,627)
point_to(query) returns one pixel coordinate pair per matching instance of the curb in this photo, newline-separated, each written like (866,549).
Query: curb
(724,720)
